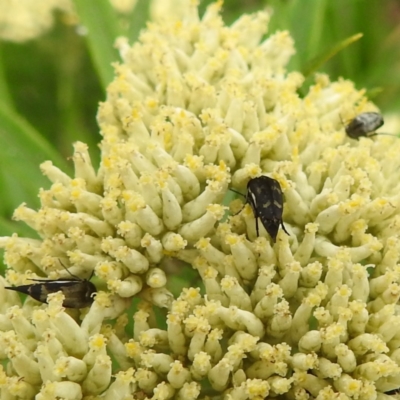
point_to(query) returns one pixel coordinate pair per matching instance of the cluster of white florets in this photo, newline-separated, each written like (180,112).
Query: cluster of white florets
(23,20)
(196,108)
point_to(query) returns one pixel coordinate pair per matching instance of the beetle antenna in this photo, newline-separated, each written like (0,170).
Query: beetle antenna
(241,194)
(283,227)
(74,276)
(382,133)
(235,191)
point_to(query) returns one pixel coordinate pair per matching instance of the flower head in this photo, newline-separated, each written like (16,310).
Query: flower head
(22,20)
(197,108)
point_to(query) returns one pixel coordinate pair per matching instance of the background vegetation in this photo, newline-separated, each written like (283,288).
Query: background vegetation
(50,87)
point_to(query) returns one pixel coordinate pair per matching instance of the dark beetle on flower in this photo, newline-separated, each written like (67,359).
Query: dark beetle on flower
(78,292)
(364,124)
(265,197)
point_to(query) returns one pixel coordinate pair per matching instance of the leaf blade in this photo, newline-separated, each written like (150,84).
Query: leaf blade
(101,22)
(316,62)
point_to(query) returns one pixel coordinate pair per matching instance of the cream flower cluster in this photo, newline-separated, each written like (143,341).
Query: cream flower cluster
(197,108)
(22,20)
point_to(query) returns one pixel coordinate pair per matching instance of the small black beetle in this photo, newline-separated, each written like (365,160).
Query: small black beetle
(364,124)
(265,197)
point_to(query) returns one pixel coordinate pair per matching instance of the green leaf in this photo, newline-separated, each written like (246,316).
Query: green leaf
(314,64)
(101,21)
(7,228)
(373,92)
(22,150)
(316,27)
(5,97)
(138,19)
(18,136)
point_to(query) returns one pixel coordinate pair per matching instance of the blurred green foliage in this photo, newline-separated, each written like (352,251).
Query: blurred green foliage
(50,87)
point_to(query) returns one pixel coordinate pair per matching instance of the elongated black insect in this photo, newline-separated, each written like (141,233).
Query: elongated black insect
(265,197)
(78,292)
(364,124)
